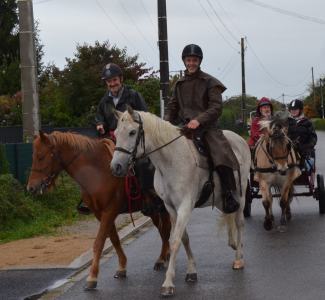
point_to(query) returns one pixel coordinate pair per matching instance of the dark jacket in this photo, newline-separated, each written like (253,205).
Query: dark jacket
(105,109)
(198,96)
(303,134)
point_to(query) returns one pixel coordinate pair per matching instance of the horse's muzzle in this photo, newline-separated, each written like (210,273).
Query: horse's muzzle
(117,170)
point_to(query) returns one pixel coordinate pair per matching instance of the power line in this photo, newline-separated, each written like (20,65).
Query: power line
(287,12)
(223,37)
(227,14)
(268,73)
(224,25)
(227,65)
(114,24)
(147,13)
(137,28)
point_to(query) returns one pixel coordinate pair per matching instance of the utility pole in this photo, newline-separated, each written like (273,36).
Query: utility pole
(313,82)
(163,54)
(321,96)
(29,88)
(243,96)
(283,98)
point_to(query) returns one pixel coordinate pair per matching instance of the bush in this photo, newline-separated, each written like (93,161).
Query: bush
(4,164)
(23,215)
(319,124)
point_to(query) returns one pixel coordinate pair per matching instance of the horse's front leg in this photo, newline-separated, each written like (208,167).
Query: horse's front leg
(97,250)
(162,222)
(179,221)
(267,203)
(285,206)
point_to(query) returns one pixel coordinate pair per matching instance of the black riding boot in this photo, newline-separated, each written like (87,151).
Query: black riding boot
(228,184)
(83,208)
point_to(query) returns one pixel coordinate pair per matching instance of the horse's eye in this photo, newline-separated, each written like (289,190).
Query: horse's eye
(132,132)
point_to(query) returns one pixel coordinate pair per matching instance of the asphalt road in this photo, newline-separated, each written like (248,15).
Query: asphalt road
(288,265)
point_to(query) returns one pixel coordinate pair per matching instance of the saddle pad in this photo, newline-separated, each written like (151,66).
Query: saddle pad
(200,160)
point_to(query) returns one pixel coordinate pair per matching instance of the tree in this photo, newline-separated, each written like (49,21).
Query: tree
(9,48)
(68,97)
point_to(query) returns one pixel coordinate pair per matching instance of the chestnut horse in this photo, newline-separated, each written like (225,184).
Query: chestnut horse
(87,160)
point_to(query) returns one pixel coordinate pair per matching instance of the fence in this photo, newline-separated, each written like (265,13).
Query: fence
(19,154)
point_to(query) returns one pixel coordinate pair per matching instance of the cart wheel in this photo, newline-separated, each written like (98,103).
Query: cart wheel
(321,193)
(248,201)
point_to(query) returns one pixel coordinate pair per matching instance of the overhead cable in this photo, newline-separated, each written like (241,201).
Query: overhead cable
(217,29)
(287,12)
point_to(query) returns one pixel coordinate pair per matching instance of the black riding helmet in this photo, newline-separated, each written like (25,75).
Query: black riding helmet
(111,70)
(192,50)
(296,104)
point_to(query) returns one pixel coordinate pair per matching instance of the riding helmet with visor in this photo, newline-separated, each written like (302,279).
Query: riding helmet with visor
(296,104)
(264,102)
(192,50)
(111,70)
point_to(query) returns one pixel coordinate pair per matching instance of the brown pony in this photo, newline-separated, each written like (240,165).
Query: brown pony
(275,165)
(87,161)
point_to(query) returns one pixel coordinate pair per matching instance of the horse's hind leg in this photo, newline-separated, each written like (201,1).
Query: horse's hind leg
(191,274)
(162,222)
(239,225)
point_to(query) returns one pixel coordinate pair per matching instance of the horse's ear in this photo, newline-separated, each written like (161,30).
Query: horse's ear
(117,114)
(130,110)
(44,138)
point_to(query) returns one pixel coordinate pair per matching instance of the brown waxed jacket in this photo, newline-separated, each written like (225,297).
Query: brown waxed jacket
(198,97)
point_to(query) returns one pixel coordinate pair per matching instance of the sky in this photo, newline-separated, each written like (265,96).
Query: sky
(283,38)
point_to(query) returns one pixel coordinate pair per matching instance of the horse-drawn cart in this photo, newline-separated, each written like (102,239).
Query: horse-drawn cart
(304,185)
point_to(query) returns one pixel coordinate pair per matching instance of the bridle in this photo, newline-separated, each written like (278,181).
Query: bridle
(141,139)
(50,177)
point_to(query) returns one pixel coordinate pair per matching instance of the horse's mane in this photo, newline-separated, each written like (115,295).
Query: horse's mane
(157,127)
(74,140)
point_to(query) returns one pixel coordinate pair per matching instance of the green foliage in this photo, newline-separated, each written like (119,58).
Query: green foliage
(70,97)
(23,215)
(149,88)
(319,124)
(4,164)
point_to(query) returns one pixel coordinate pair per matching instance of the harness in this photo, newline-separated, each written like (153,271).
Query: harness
(268,152)
(141,139)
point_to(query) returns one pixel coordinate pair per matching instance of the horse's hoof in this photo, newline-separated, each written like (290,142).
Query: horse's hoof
(120,274)
(191,277)
(282,228)
(238,264)
(90,286)
(268,225)
(167,291)
(159,266)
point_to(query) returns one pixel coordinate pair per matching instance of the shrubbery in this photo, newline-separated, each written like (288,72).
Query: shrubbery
(319,124)
(23,215)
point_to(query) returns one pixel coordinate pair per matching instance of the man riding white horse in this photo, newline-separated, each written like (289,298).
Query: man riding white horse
(197,103)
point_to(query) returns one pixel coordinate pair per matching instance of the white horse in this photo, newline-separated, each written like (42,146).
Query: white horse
(178,180)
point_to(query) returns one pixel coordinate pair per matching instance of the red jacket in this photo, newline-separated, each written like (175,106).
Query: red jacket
(255,132)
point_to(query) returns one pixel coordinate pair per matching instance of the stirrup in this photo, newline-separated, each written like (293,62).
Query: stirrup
(230,205)
(83,208)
